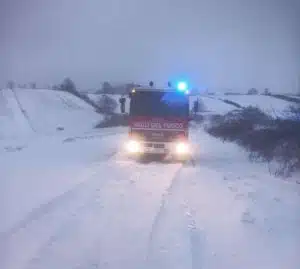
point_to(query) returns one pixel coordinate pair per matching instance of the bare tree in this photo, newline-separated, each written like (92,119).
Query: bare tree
(69,86)
(107,104)
(253,91)
(107,88)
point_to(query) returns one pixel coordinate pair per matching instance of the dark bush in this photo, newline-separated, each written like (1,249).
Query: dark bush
(232,103)
(264,138)
(286,98)
(232,93)
(198,118)
(252,91)
(107,104)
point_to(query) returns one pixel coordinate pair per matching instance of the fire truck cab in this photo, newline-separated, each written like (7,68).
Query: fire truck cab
(158,122)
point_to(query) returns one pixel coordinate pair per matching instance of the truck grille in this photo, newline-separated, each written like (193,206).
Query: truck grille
(158,146)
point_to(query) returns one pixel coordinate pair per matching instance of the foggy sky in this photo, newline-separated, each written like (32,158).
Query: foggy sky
(233,44)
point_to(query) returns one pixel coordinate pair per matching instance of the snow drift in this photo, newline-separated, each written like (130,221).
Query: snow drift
(27,111)
(268,104)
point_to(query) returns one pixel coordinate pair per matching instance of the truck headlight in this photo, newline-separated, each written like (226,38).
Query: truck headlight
(133,146)
(182,148)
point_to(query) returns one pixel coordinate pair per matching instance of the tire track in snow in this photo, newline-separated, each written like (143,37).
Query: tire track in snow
(176,240)
(160,213)
(49,206)
(46,254)
(196,240)
(54,203)
(116,242)
(102,217)
(46,225)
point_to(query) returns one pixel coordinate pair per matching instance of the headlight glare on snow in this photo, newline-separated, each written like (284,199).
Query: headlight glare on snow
(182,148)
(133,146)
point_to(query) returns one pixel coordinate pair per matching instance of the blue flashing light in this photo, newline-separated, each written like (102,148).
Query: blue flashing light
(182,86)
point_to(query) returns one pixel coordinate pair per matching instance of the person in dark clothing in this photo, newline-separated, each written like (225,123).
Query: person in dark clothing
(122,101)
(196,106)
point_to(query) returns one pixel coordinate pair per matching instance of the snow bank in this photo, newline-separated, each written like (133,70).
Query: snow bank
(47,168)
(212,104)
(270,105)
(48,110)
(13,122)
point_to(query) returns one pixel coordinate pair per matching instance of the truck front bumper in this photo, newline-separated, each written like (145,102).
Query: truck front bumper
(180,148)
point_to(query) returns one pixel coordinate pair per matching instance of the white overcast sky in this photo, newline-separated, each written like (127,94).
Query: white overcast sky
(213,43)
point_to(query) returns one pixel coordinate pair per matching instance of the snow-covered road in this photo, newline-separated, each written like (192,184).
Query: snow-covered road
(75,202)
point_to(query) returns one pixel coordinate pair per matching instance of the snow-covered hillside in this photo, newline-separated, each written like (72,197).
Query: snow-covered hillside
(212,104)
(13,121)
(43,111)
(270,105)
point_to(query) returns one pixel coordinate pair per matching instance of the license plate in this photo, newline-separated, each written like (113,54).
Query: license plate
(159,146)
(155,150)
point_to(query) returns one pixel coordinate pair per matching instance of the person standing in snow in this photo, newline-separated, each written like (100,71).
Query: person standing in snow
(122,101)
(196,106)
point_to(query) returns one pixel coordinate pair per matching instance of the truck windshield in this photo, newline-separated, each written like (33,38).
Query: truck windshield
(171,104)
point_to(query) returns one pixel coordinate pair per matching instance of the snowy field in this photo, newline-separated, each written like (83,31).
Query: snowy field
(25,111)
(13,123)
(270,105)
(72,200)
(212,104)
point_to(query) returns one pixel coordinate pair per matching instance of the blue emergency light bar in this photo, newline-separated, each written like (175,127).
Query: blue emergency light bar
(182,86)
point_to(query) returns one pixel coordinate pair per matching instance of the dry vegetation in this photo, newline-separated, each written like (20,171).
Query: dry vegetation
(265,138)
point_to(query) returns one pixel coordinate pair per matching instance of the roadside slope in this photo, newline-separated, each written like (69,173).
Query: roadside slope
(13,122)
(49,110)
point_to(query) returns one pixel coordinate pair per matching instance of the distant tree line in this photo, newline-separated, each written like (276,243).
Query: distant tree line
(251,91)
(12,85)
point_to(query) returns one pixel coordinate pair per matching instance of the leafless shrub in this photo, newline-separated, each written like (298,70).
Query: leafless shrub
(264,138)
(107,104)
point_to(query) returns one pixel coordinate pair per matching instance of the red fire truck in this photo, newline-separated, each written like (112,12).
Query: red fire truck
(158,122)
